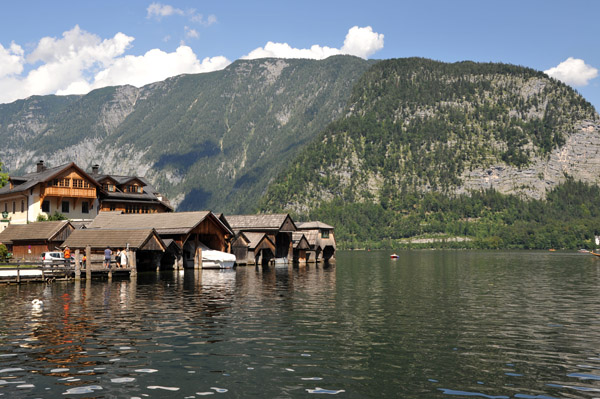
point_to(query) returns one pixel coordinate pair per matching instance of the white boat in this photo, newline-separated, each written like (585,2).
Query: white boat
(212,259)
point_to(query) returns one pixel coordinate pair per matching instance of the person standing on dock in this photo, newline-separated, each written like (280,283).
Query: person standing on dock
(67,255)
(107,257)
(123,258)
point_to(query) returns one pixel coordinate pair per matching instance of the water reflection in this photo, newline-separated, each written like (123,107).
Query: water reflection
(430,324)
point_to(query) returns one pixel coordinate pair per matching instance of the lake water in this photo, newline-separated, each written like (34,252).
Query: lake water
(431,324)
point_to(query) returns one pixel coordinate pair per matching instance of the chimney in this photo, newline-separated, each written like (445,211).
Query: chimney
(40,166)
(95,169)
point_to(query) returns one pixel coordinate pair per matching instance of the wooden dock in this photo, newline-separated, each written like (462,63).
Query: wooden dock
(19,273)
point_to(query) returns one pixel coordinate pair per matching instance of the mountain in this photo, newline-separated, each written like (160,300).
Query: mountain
(417,131)
(420,125)
(207,141)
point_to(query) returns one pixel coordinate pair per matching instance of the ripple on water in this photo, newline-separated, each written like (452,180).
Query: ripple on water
(122,380)
(446,391)
(583,376)
(325,391)
(164,388)
(83,390)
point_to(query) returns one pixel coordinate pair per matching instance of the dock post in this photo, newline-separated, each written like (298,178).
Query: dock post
(133,263)
(77,265)
(18,274)
(88,263)
(198,258)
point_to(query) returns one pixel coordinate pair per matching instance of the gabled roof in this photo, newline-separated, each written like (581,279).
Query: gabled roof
(38,231)
(299,240)
(261,222)
(163,223)
(149,193)
(312,237)
(256,239)
(115,238)
(30,180)
(313,225)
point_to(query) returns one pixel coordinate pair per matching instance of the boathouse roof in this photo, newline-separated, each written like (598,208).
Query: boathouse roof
(299,240)
(264,222)
(313,225)
(257,240)
(38,231)
(139,239)
(163,223)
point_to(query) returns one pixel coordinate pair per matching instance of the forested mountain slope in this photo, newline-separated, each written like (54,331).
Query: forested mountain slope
(416,128)
(207,141)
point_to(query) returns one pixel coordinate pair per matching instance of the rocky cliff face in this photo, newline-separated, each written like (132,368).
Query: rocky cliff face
(579,158)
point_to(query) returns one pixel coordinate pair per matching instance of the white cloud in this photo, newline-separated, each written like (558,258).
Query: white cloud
(157,10)
(11,60)
(80,61)
(361,42)
(192,33)
(200,19)
(154,66)
(573,71)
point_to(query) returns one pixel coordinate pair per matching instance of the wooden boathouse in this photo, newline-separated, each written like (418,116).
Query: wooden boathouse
(143,247)
(301,247)
(253,248)
(278,228)
(27,242)
(321,240)
(183,233)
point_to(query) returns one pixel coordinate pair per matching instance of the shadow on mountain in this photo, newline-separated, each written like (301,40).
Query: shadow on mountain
(195,200)
(182,162)
(249,178)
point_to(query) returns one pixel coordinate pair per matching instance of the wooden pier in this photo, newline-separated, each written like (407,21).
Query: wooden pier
(19,273)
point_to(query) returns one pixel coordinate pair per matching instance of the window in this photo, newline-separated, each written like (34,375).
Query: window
(65,206)
(6,207)
(77,183)
(14,207)
(22,206)
(46,206)
(109,187)
(324,233)
(61,182)
(85,207)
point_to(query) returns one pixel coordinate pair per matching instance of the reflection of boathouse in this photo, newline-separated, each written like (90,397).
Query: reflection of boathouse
(321,240)
(266,237)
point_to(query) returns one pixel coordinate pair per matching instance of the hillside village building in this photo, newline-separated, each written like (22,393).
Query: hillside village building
(78,195)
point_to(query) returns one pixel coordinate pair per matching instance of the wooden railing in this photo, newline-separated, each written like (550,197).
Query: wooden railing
(70,192)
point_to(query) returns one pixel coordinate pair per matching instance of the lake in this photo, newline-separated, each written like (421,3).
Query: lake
(431,324)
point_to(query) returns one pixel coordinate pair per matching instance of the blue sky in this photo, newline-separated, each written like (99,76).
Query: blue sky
(74,46)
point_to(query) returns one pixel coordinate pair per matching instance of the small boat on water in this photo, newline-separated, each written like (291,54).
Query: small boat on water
(394,256)
(583,250)
(594,253)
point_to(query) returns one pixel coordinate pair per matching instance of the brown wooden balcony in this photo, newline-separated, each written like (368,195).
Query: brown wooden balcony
(69,192)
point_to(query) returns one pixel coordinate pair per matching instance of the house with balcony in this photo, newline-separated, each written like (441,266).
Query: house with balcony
(129,194)
(76,194)
(66,189)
